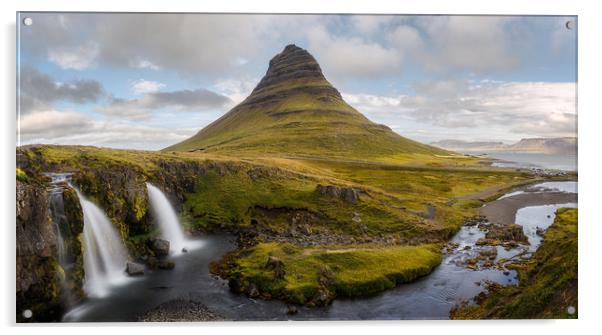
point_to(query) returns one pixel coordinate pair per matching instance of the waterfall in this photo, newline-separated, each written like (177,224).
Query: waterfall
(57,215)
(167,219)
(105,257)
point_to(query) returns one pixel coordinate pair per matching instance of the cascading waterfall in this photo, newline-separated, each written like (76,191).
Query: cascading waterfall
(57,214)
(105,257)
(167,220)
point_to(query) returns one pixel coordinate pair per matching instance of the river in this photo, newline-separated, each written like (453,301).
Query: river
(430,297)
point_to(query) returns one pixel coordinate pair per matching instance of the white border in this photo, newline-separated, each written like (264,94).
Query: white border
(590,128)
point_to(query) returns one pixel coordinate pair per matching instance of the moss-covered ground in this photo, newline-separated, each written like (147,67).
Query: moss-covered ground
(404,208)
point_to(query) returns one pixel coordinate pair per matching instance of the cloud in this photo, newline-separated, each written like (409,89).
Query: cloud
(76,58)
(142,86)
(39,90)
(236,90)
(187,43)
(183,100)
(529,109)
(52,123)
(68,127)
(345,57)
(474,43)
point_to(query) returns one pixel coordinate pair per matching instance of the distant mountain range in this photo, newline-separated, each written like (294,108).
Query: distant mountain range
(558,145)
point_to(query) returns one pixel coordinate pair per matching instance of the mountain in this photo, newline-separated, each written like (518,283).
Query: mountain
(294,110)
(459,145)
(558,145)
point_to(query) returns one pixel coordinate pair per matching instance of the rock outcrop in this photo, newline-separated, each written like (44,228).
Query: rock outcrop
(348,194)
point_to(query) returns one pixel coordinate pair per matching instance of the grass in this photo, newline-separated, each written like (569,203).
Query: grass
(21,175)
(336,271)
(415,205)
(548,282)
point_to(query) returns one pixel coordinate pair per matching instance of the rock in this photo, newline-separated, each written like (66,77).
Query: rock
(134,269)
(274,263)
(180,311)
(511,232)
(291,310)
(152,262)
(160,247)
(252,291)
(346,194)
(540,231)
(166,265)
(184,250)
(356,217)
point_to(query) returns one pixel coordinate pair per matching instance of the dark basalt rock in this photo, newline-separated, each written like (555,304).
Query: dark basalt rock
(134,269)
(160,247)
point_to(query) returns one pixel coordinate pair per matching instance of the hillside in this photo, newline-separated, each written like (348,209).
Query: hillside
(295,111)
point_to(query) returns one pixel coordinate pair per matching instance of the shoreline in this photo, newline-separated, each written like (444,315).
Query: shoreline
(503,211)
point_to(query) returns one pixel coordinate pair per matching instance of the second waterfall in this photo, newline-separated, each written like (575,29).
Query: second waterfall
(167,219)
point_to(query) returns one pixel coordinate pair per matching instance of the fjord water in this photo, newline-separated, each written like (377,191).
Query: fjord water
(431,297)
(565,162)
(105,256)
(167,220)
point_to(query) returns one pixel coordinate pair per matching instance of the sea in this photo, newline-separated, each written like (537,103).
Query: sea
(565,162)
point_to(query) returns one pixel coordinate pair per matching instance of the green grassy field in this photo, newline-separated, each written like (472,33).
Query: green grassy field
(399,204)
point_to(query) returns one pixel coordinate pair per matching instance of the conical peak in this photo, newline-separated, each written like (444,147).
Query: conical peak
(293,57)
(293,64)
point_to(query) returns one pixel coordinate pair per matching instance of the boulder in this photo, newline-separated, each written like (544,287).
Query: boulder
(160,247)
(166,265)
(274,263)
(347,194)
(134,269)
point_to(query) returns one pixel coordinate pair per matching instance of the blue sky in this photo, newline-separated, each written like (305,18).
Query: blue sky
(147,81)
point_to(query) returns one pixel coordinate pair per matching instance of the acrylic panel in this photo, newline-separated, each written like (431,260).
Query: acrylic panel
(224,167)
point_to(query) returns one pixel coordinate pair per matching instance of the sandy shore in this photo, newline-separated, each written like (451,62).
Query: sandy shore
(180,310)
(503,211)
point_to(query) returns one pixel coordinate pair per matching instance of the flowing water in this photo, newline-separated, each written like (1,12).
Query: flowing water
(59,220)
(105,256)
(168,221)
(430,297)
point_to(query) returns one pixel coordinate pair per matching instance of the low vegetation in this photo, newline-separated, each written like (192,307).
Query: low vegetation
(316,275)
(548,281)
(275,201)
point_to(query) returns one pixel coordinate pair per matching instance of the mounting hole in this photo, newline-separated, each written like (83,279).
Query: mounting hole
(27,313)
(28,21)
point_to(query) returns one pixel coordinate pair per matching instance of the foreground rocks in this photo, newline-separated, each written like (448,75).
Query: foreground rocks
(134,269)
(347,194)
(180,310)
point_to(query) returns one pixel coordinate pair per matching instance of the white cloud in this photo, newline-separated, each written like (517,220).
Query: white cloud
(76,58)
(183,100)
(370,24)
(525,109)
(236,90)
(345,57)
(475,43)
(68,127)
(142,86)
(145,64)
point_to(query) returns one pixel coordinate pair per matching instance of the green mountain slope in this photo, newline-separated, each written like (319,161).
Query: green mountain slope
(294,110)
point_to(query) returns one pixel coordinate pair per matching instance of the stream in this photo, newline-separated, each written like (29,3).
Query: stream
(430,297)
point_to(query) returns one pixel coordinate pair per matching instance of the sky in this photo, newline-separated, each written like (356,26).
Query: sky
(146,81)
